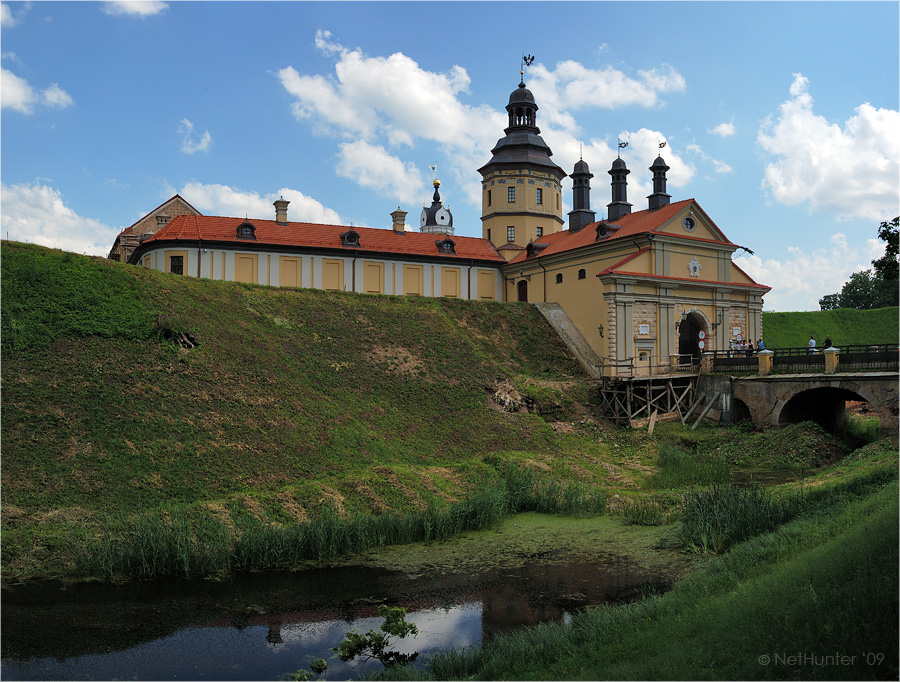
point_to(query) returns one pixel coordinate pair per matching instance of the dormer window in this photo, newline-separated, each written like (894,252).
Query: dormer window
(446,246)
(246,230)
(533,249)
(350,238)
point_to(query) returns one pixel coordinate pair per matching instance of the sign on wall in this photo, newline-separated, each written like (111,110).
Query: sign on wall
(643,329)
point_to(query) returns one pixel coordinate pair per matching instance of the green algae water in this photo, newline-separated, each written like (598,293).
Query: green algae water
(463,591)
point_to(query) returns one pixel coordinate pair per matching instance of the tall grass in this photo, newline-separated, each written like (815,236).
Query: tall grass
(713,520)
(181,541)
(678,468)
(824,583)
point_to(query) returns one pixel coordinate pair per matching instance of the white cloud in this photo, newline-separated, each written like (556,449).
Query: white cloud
(189,143)
(36,213)
(55,96)
(138,8)
(374,167)
(799,281)
(723,130)
(718,166)
(8,18)
(851,172)
(382,104)
(572,86)
(227,201)
(17,94)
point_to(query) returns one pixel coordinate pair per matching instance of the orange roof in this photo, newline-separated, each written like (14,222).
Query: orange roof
(268,233)
(640,222)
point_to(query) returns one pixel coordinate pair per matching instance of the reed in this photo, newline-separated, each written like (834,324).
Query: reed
(713,520)
(182,541)
(679,468)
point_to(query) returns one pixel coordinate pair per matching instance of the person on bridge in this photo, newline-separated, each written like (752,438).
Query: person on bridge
(827,343)
(812,346)
(760,345)
(750,350)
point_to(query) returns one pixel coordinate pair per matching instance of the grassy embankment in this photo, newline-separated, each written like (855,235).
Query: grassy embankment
(845,326)
(296,404)
(304,425)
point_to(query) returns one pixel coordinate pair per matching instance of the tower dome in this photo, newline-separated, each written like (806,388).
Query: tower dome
(436,219)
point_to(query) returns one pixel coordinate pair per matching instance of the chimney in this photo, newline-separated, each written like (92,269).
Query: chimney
(161,221)
(659,198)
(619,205)
(582,214)
(399,218)
(281,211)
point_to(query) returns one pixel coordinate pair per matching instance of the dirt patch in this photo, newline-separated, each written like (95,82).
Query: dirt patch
(334,499)
(70,515)
(376,504)
(292,507)
(254,507)
(400,359)
(221,514)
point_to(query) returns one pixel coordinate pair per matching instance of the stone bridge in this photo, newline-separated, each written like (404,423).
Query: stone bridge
(776,400)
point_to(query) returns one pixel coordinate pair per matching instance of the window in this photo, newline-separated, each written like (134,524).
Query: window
(582,274)
(540,230)
(489,234)
(489,197)
(511,194)
(559,278)
(540,196)
(176,265)
(511,233)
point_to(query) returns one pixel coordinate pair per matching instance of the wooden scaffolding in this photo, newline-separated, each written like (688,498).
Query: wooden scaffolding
(628,399)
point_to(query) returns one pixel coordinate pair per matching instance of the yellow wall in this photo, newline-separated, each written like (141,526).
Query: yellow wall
(373,278)
(289,271)
(333,275)
(412,280)
(246,267)
(525,214)
(486,284)
(450,282)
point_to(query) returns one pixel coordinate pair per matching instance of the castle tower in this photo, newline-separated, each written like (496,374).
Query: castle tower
(436,219)
(521,190)
(619,205)
(581,214)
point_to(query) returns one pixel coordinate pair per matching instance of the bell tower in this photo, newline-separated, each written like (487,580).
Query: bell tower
(521,186)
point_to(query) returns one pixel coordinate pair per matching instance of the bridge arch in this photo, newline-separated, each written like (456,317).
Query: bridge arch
(824,405)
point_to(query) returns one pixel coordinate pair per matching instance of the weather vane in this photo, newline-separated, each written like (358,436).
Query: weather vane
(527,60)
(433,169)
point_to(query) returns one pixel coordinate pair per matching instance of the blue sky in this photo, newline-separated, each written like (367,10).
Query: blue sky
(781,119)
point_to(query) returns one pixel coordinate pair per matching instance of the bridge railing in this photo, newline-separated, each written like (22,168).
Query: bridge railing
(851,357)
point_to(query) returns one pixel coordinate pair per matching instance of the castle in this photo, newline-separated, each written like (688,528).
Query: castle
(640,287)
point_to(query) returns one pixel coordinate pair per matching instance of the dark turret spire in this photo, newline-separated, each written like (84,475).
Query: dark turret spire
(619,205)
(659,198)
(582,214)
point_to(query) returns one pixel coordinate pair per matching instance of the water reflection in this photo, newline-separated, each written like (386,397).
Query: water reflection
(266,626)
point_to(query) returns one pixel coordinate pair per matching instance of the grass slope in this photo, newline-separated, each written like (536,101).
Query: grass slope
(845,326)
(294,401)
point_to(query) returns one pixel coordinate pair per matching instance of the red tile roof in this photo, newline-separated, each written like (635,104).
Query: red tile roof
(640,222)
(316,236)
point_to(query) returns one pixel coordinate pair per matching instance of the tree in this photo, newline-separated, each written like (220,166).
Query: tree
(886,267)
(875,288)
(375,644)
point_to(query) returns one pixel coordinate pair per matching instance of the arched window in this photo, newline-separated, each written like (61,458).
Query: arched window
(559,278)
(582,274)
